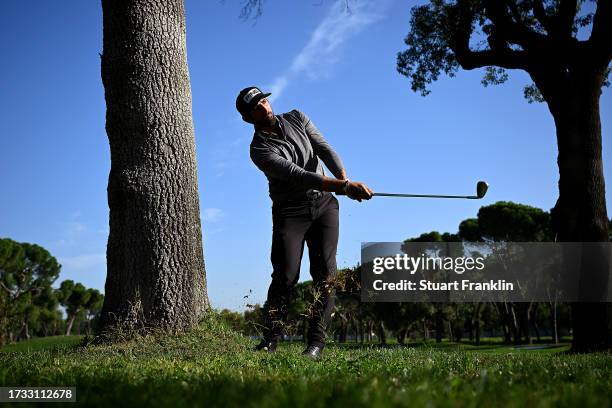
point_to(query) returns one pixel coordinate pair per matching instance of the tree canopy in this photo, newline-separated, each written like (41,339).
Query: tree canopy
(533,35)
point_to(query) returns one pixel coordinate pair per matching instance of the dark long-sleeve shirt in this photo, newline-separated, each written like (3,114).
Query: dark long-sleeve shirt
(291,161)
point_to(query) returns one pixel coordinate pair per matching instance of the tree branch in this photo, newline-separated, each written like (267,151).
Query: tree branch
(540,15)
(516,14)
(500,55)
(502,58)
(565,18)
(602,30)
(5,287)
(511,31)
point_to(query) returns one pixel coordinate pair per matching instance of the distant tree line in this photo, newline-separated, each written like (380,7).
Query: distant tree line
(363,322)
(30,306)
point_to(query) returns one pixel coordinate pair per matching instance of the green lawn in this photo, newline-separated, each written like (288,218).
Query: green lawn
(43,343)
(213,366)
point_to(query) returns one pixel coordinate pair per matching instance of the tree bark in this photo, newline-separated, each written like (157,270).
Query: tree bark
(401,335)
(580,214)
(438,323)
(524,321)
(553,323)
(534,320)
(155,263)
(343,331)
(382,335)
(514,324)
(70,323)
(476,320)
(502,311)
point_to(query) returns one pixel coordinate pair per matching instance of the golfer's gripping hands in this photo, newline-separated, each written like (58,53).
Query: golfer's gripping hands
(353,189)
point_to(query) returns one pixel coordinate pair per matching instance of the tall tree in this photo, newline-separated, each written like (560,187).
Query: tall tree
(73,297)
(155,262)
(513,222)
(539,37)
(93,309)
(27,272)
(79,302)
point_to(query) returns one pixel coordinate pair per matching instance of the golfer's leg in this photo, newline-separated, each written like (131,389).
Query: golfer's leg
(322,239)
(287,249)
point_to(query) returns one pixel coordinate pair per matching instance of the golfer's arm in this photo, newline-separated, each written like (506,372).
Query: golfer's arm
(323,149)
(333,185)
(283,169)
(278,167)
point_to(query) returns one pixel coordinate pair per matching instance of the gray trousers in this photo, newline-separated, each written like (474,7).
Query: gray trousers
(316,223)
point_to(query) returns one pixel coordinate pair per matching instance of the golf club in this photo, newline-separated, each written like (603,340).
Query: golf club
(481,190)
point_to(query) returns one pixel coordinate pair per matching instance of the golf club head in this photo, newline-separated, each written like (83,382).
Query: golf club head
(481,189)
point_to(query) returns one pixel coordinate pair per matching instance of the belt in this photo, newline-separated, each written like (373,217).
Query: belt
(309,195)
(313,194)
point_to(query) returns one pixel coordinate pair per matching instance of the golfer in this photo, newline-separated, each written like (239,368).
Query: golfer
(287,148)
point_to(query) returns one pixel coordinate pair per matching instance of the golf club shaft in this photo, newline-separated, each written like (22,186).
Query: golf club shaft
(481,190)
(422,195)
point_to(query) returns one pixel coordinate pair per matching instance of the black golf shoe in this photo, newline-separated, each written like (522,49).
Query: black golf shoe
(313,352)
(266,345)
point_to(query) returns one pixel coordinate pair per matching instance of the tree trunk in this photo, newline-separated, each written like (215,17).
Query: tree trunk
(155,263)
(401,336)
(501,312)
(534,321)
(26,331)
(476,323)
(477,334)
(580,214)
(439,324)
(382,336)
(524,321)
(553,317)
(70,323)
(355,325)
(514,323)
(343,330)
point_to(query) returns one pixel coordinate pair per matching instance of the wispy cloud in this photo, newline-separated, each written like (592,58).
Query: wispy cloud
(323,47)
(83,262)
(72,230)
(212,214)
(75,228)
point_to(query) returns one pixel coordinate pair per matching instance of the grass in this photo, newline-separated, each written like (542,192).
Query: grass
(43,343)
(213,366)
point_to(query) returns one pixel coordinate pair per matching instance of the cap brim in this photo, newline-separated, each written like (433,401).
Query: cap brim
(258,98)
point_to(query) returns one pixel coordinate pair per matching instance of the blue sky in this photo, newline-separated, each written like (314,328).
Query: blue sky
(338,68)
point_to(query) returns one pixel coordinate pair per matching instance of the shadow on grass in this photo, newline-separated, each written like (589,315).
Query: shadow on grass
(463,346)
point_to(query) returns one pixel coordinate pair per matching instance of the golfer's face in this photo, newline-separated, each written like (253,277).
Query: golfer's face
(262,112)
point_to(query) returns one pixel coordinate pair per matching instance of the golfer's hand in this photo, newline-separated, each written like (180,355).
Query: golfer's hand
(358,191)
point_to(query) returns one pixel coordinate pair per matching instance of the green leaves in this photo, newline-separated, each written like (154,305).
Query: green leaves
(429,46)
(536,36)
(28,303)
